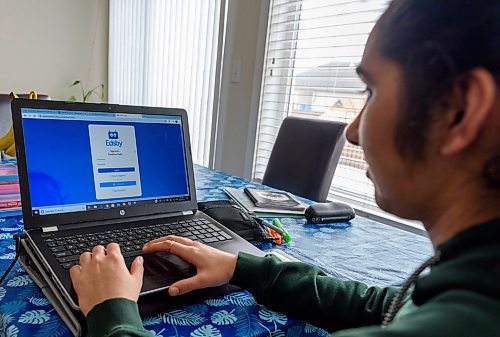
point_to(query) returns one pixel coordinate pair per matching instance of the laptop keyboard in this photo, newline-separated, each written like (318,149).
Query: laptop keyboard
(67,250)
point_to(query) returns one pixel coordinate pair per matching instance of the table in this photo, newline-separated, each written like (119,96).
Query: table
(363,250)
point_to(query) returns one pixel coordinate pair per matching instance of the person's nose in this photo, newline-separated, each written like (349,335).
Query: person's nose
(352,132)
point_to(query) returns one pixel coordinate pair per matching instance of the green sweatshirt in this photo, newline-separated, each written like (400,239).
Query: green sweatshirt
(459,297)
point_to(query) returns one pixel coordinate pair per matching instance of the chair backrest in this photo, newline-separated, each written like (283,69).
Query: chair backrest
(305,156)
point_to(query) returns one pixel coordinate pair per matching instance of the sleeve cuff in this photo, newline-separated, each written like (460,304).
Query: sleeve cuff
(251,271)
(112,314)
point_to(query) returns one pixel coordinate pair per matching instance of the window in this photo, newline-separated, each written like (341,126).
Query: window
(167,53)
(313,49)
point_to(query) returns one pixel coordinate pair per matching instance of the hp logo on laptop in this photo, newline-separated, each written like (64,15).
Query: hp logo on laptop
(122,212)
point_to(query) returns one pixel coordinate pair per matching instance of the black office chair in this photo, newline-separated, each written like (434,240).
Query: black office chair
(305,156)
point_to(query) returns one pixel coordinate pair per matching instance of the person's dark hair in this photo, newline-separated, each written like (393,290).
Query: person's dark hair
(435,42)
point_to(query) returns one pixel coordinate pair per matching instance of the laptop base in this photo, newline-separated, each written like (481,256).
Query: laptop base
(149,305)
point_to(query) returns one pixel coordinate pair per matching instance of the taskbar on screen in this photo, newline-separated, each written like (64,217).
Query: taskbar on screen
(107,205)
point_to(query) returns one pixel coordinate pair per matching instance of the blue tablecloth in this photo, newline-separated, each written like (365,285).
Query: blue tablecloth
(361,250)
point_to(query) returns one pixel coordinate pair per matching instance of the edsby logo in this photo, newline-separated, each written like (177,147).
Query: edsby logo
(113,139)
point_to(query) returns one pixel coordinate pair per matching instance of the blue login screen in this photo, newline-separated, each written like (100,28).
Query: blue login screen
(73,161)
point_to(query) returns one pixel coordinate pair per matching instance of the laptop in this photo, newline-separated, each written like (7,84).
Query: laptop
(97,173)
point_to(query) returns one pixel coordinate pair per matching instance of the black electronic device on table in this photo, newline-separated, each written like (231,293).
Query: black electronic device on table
(329,212)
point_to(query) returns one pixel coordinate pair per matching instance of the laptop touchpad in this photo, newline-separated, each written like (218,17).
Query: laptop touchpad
(161,269)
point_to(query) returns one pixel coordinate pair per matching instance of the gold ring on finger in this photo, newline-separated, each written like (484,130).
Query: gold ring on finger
(170,247)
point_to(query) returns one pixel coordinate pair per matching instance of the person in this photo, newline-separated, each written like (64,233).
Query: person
(430,134)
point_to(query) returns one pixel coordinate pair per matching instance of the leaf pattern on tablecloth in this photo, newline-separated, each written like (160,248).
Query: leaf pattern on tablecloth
(53,328)
(206,331)
(217,302)
(7,256)
(272,316)
(19,281)
(34,317)
(39,301)
(182,317)
(223,317)
(240,299)
(2,293)
(13,307)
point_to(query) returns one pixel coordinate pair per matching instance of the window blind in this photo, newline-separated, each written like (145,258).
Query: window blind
(165,53)
(312,51)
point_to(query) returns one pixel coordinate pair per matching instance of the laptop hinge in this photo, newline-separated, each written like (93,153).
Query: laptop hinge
(113,221)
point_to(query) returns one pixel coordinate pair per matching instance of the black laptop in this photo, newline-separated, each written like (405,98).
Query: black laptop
(93,174)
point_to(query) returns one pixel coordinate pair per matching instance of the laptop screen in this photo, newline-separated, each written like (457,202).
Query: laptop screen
(83,161)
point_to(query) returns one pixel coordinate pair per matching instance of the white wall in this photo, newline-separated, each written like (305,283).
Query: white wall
(245,42)
(45,45)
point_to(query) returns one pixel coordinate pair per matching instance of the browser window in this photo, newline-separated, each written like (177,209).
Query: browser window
(83,161)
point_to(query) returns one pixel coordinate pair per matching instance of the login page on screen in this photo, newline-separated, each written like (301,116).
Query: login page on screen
(81,160)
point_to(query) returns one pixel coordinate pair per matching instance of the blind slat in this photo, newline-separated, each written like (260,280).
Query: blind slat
(321,17)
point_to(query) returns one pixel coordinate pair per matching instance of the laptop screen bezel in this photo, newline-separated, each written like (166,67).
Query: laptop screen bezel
(40,221)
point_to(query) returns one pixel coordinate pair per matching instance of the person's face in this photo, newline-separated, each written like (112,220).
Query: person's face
(373,130)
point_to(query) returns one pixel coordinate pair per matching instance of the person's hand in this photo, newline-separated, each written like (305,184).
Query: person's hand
(103,275)
(214,267)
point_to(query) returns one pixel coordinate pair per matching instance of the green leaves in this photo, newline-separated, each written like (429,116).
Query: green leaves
(98,90)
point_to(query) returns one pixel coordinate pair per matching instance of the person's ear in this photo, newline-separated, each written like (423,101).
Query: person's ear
(478,92)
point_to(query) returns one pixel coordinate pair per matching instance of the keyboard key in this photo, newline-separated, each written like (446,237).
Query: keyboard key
(61,254)
(57,249)
(68,265)
(132,253)
(69,258)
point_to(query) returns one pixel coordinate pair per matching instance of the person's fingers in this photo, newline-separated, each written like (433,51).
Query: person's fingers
(74,272)
(160,246)
(85,258)
(186,241)
(184,286)
(169,246)
(183,240)
(163,238)
(98,252)
(113,249)
(137,268)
